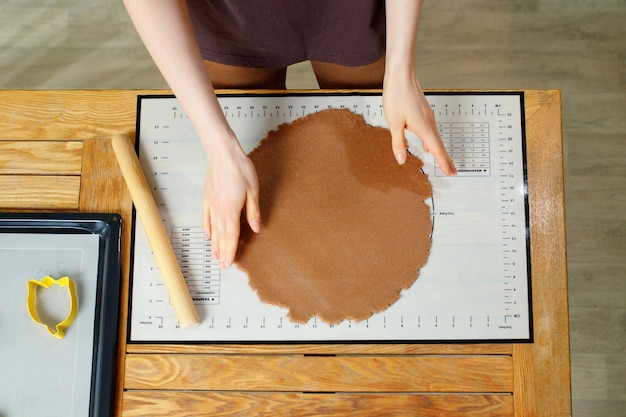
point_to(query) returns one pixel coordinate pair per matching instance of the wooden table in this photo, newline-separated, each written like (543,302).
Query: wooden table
(55,155)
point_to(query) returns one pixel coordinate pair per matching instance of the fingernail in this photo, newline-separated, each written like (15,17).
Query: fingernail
(401,157)
(256,227)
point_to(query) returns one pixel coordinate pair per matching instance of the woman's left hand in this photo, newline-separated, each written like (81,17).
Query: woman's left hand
(406,107)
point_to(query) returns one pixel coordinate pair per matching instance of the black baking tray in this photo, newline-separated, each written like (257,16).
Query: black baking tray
(108,228)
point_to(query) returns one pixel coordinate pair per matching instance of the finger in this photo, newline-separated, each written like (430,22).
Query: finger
(227,245)
(214,236)
(206,221)
(398,144)
(253,211)
(443,158)
(432,143)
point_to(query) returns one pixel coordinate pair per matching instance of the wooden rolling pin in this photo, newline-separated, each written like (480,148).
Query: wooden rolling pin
(155,231)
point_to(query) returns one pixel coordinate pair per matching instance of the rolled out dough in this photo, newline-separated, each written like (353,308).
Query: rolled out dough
(345,228)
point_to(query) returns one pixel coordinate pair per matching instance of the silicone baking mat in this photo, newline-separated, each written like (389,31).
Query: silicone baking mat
(474,287)
(41,375)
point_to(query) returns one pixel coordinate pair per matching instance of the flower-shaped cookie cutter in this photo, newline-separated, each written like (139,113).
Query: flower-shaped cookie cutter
(47,282)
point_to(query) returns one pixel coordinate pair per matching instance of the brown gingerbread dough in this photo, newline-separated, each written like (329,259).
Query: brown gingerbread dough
(345,228)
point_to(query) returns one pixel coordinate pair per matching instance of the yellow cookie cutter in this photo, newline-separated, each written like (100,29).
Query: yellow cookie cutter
(47,282)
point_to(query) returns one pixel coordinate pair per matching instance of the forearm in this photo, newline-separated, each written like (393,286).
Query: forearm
(402,24)
(165,29)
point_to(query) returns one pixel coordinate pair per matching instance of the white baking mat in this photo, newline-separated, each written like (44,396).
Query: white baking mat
(474,287)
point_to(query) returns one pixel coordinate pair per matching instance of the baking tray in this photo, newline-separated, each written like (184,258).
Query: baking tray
(41,375)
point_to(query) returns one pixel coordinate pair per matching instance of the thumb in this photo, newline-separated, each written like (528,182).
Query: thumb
(398,144)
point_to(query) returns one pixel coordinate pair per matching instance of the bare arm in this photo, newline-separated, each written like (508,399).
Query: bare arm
(404,102)
(231,183)
(166,31)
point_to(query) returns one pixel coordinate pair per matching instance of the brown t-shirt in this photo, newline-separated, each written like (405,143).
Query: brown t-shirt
(278,33)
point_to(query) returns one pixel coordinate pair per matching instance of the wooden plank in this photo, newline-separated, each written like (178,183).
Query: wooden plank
(328,349)
(40,192)
(454,373)
(103,188)
(534,100)
(68,114)
(41,157)
(542,369)
(178,404)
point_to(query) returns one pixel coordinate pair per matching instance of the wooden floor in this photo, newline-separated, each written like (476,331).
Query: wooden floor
(577,46)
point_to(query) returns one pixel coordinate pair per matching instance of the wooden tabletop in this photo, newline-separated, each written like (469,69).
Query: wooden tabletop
(56,155)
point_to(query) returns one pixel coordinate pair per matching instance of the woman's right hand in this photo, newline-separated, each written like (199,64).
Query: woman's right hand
(231,185)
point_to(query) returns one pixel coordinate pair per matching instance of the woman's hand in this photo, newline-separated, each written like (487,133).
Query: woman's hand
(403,100)
(406,107)
(231,185)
